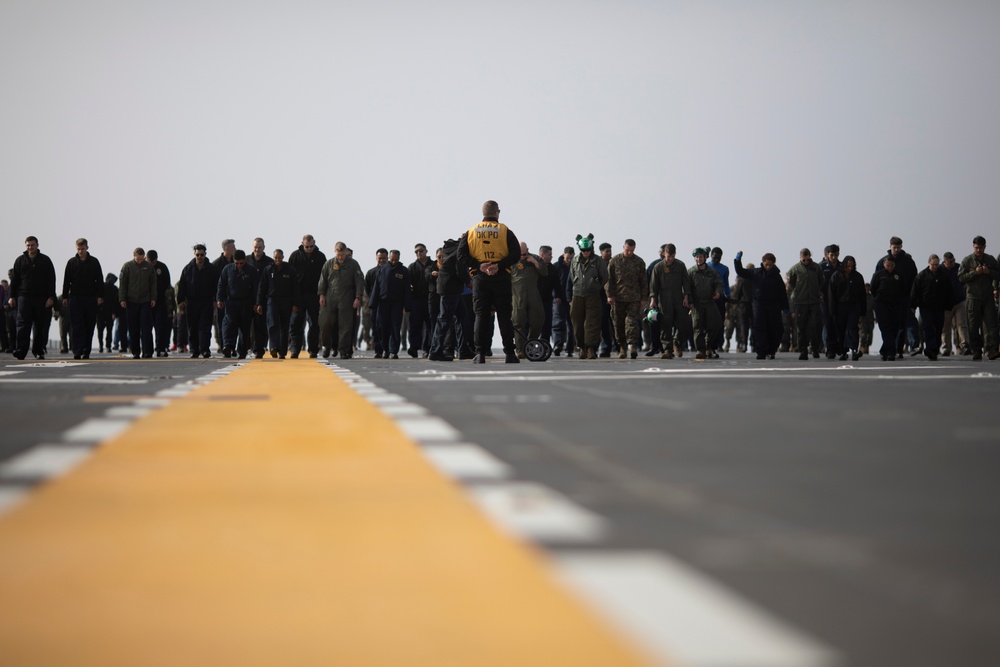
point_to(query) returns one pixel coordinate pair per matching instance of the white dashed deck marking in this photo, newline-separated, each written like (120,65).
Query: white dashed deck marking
(96,430)
(466,461)
(45,461)
(535,512)
(424,429)
(683,617)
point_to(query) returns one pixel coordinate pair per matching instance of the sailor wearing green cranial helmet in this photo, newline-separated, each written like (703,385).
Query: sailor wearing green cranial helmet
(588,275)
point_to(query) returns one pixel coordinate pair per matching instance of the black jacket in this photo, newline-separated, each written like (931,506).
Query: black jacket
(905,268)
(889,288)
(33,277)
(431,280)
(767,288)
(238,287)
(846,289)
(418,280)
(392,285)
(451,278)
(278,284)
(163,283)
(932,290)
(307,267)
(197,285)
(83,278)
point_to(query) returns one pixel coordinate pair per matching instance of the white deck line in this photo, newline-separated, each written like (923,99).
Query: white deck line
(96,430)
(403,409)
(127,412)
(463,461)
(424,429)
(44,461)
(683,617)
(537,513)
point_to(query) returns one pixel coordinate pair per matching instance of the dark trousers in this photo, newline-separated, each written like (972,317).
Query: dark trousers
(674,324)
(180,327)
(845,329)
(933,321)
(889,326)
(308,311)
(547,323)
(218,315)
(808,325)
(982,318)
(390,320)
(707,325)
(562,330)
(448,306)
(833,334)
(33,320)
(105,327)
(768,328)
(607,334)
(199,317)
(467,322)
(376,329)
(433,310)
(420,324)
(140,328)
(489,294)
(279,315)
(236,326)
(83,316)
(120,336)
(909,330)
(744,316)
(337,323)
(655,345)
(8,327)
(259,333)
(721,305)
(161,326)
(586,314)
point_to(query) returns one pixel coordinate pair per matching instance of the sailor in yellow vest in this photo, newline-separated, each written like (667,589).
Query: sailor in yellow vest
(489,249)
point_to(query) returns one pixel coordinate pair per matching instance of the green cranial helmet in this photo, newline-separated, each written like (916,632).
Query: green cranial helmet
(652,316)
(585,242)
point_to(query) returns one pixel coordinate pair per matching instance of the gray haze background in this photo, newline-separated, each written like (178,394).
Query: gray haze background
(765,126)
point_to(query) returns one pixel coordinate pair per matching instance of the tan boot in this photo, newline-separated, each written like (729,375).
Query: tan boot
(591,353)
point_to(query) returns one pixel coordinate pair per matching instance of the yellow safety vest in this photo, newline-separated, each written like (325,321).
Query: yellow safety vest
(487,241)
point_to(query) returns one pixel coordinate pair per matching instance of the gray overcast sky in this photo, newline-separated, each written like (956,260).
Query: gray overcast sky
(765,126)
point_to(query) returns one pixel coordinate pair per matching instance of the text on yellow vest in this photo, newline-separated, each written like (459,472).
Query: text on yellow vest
(488,241)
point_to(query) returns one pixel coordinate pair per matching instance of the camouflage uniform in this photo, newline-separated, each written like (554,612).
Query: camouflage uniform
(627,286)
(340,284)
(527,300)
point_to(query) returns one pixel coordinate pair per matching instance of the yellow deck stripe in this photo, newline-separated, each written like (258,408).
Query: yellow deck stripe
(297,526)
